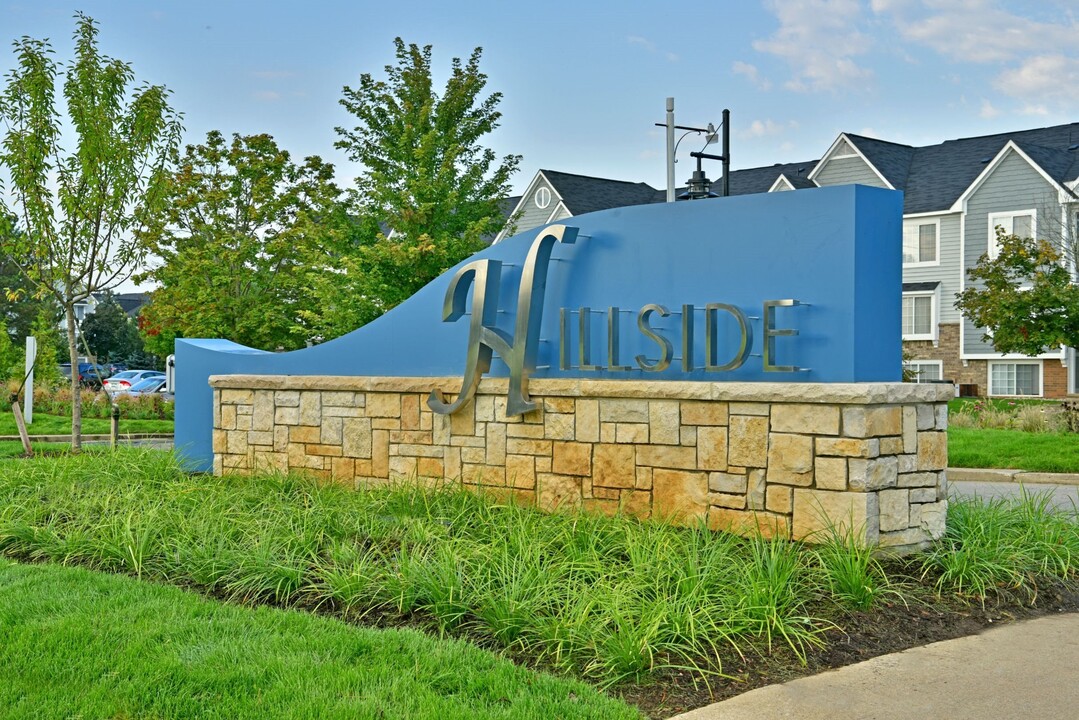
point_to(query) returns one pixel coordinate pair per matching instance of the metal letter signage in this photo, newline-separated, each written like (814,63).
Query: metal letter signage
(518,352)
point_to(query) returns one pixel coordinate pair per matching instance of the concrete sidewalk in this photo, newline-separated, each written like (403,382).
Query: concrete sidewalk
(995,475)
(1027,669)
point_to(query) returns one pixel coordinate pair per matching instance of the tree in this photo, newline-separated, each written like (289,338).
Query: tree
(428,181)
(1024,297)
(20,299)
(244,226)
(81,212)
(109,333)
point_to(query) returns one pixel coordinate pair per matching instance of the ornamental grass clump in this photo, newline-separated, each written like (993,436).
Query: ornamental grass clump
(610,599)
(998,545)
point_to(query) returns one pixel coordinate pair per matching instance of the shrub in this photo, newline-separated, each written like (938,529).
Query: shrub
(1032,418)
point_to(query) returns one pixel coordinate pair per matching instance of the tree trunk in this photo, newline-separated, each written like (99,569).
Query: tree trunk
(76,388)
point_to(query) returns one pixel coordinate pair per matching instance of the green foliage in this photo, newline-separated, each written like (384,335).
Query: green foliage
(81,211)
(1024,297)
(109,333)
(245,230)
(20,300)
(47,365)
(428,182)
(11,357)
(604,598)
(1000,545)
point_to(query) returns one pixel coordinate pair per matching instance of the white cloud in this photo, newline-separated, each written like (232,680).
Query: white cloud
(869,133)
(765,128)
(819,39)
(751,73)
(650,47)
(1036,61)
(1042,78)
(988,111)
(978,31)
(266,95)
(641,42)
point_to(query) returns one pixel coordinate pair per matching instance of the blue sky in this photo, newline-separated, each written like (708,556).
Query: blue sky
(583,82)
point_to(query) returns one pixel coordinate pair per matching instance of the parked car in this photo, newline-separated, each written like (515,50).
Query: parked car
(148,386)
(91,375)
(124,380)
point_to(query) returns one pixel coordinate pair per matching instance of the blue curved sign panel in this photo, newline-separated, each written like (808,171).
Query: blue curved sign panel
(798,286)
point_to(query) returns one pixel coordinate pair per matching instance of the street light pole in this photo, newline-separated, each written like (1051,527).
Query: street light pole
(670,150)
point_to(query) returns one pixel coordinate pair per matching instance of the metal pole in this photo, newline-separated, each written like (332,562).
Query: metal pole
(726,153)
(114,431)
(670,149)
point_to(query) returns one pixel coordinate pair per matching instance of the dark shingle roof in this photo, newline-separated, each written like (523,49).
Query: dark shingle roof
(584,194)
(760,180)
(941,173)
(932,177)
(892,160)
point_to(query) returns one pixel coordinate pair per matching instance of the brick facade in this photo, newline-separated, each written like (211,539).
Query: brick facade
(976,372)
(787,459)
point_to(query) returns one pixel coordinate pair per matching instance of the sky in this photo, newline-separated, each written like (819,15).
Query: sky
(584,82)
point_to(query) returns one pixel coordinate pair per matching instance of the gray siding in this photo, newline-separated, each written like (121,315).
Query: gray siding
(563,213)
(1014,185)
(847,171)
(532,216)
(947,273)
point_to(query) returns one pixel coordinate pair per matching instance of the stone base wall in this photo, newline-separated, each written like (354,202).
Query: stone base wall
(787,460)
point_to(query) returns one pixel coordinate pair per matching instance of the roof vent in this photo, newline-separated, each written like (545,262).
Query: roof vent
(986,159)
(1073,147)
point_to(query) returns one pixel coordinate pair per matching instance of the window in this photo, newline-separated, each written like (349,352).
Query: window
(1022,223)
(920,242)
(1015,378)
(925,370)
(918,320)
(543,198)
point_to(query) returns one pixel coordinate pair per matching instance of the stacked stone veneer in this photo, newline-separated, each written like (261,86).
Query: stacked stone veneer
(784,459)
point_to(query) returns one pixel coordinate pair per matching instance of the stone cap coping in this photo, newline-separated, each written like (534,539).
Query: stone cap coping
(818,393)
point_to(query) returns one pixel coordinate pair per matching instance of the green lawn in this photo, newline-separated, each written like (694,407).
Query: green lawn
(1014,449)
(76,643)
(57,425)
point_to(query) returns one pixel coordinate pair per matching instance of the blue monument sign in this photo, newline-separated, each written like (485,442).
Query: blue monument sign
(785,287)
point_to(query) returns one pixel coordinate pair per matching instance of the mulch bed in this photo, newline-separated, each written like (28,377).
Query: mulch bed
(890,627)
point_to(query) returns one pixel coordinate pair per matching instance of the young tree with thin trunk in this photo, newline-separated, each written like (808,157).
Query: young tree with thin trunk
(430,190)
(81,210)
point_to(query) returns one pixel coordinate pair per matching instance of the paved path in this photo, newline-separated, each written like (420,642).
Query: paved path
(1028,669)
(1062,488)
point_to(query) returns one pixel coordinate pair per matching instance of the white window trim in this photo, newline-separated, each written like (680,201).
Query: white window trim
(989,376)
(994,221)
(938,363)
(934,302)
(544,193)
(916,223)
